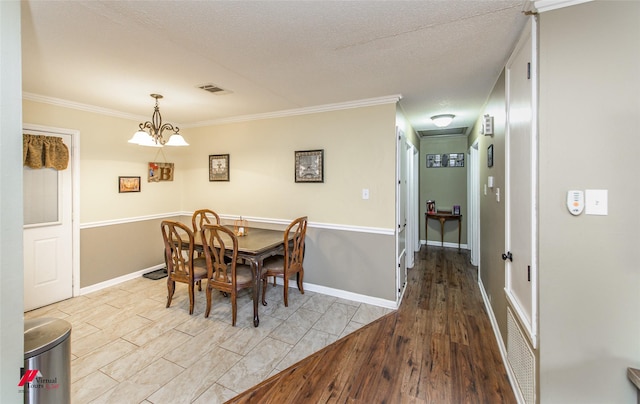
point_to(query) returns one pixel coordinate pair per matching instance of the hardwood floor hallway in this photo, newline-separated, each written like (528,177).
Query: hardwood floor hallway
(438,347)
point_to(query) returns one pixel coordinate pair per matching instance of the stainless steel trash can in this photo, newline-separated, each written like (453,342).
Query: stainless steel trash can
(47,361)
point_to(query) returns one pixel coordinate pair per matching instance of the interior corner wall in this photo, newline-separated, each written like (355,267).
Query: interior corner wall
(492,212)
(446,185)
(589,277)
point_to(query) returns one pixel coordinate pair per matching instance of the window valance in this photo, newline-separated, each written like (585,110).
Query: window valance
(39,151)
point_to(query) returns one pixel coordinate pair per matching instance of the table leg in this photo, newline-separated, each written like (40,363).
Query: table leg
(256,268)
(459,227)
(442,231)
(426,231)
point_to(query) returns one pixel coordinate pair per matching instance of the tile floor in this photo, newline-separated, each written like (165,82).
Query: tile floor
(126,347)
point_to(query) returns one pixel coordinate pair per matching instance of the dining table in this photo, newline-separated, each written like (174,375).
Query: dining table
(256,245)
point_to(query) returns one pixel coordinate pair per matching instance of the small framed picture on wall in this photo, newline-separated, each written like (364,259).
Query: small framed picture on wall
(490,156)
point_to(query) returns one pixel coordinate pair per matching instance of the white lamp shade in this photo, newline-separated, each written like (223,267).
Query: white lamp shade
(176,140)
(139,137)
(442,121)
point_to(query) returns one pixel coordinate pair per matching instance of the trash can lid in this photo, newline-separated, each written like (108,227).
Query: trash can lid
(42,334)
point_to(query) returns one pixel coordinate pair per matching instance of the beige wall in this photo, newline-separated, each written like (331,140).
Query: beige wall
(359,147)
(492,213)
(588,271)
(447,186)
(105,155)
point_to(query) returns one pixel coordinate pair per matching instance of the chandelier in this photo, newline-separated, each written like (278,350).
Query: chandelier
(152,136)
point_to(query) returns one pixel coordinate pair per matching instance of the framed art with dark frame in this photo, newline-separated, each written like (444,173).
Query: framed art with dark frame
(128,184)
(219,167)
(309,166)
(490,156)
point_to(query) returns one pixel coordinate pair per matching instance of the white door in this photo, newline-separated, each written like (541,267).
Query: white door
(48,247)
(521,190)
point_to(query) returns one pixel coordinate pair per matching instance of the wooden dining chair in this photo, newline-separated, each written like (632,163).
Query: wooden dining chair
(203,216)
(226,275)
(290,263)
(182,265)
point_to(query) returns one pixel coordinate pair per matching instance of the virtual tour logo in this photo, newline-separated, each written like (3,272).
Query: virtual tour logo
(33,379)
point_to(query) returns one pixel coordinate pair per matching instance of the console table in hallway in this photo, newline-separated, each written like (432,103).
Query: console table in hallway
(442,217)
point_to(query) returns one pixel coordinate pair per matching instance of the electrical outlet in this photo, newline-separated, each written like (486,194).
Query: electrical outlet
(365,193)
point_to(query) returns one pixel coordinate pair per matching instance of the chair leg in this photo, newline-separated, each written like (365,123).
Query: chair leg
(264,291)
(200,285)
(286,290)
(234,309)
(171,287)
(274,280)
(299,277)
(208,310)
(191,298)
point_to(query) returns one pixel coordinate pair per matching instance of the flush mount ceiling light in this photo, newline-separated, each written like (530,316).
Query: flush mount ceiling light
(443,120)
(152,136)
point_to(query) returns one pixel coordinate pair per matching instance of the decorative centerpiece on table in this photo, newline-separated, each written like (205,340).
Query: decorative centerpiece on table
(240,227)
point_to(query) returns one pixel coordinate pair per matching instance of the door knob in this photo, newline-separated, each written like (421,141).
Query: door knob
(507,256)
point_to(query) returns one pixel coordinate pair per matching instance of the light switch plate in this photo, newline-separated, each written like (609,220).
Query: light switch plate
(365,193)
(596,202)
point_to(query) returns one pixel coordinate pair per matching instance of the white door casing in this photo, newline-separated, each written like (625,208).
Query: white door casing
(50,232)
(401,213)
(521,183)
(473,204)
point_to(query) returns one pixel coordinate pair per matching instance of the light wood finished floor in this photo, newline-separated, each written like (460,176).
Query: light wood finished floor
(437,348)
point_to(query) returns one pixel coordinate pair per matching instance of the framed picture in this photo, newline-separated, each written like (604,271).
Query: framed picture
(309,166)
(490,156)
(445,160)
(160,172)
(219,167)
(128,184)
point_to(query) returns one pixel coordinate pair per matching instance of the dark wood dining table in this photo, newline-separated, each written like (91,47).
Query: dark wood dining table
(254,247)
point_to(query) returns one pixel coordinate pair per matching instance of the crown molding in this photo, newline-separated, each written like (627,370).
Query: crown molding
(548,5)
(302,111)
(82,107)
(243,118)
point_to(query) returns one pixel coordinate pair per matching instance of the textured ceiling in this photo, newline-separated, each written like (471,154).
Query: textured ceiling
(441,56)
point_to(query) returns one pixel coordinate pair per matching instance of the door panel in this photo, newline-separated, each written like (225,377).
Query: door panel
(521,191)
(47,235)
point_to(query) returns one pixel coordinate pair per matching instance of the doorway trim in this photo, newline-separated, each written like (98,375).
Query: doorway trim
(473,203)
(74,156)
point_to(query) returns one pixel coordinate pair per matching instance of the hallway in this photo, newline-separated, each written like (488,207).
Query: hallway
(439,347)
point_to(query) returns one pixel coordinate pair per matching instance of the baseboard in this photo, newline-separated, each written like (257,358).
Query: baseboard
(115,281)
(501,345)
(374,301)
(446,244)
(343,294)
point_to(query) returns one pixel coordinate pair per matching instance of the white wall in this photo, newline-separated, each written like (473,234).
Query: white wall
(11,273)
(589,269)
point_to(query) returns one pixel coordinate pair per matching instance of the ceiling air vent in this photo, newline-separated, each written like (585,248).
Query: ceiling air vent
(212,88)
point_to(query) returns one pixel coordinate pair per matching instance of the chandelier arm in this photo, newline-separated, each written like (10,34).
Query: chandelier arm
(168,126)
